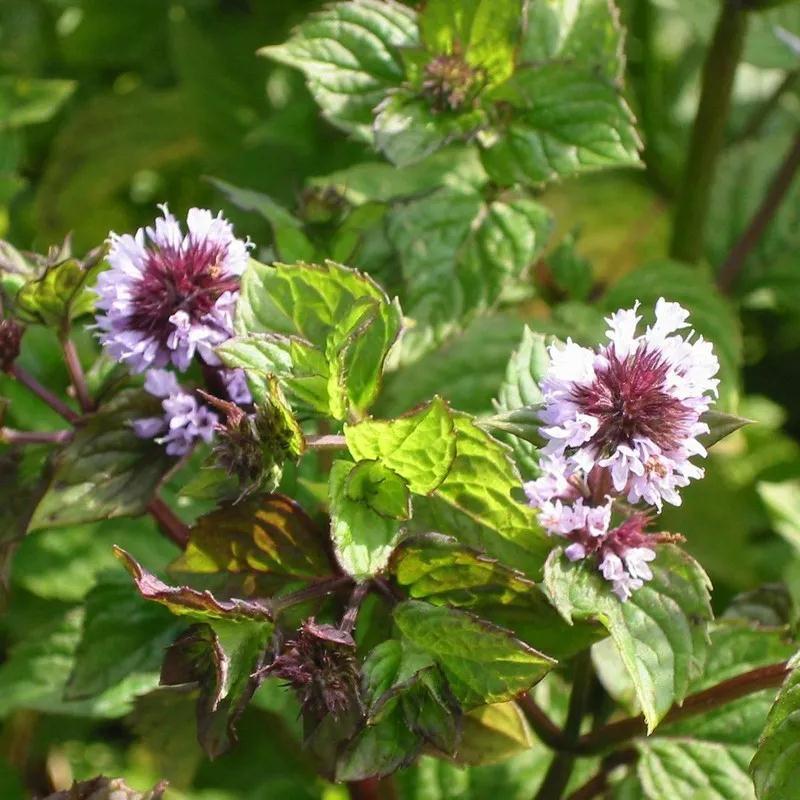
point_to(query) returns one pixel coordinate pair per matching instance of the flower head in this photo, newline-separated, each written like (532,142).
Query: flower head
(632,407)
(184,421)
(169,295)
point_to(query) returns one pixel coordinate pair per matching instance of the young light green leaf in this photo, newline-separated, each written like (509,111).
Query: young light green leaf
(269,534)
(776,765)
(107,470)
(660,631)
(419,447)
(684,769)
(349,53)
(482,663)
(567,122)
(383,490)
(363,539)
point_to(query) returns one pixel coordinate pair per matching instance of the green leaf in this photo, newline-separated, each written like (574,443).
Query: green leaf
(61,294)
(197,605)
(122,636)
(480,487)
(484,32)
(419,447)
(587,33)
(350,55)
(782,501)
(711,315)
(36,669)
(659,632)
(720,426)
(776,767)
(291,243)
(493,734)
(363,539)
(567,122)
(390,665)
(439,570)
(27,101)
(407,130)
(270,534)
(683,769)
(458,255)
(384,491)
(107,470)
(481,662)
(339,311)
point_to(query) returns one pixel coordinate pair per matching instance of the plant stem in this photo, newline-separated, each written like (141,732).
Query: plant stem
(56,403)
(169,523)
(318,589)
(596,785)
(372,789)
(776,192)
(547,731)
(11,436)
(326,441)
(353,607)
(560,769)
(708,132)
(753,126)
(726,692)
(76,374)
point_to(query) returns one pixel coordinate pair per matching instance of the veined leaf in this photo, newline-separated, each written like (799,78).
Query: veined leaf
(419,447)
(107,470)
(482,662)
(349,53)
(659,632)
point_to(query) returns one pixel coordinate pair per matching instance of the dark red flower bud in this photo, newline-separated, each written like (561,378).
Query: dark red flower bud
(10,340)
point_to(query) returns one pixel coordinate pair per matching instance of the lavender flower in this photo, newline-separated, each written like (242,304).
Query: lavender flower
(168,295)
(184,422)
(633,407)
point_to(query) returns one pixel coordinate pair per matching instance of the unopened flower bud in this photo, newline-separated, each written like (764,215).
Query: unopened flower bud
(10,341)
(450,83)
(320,665)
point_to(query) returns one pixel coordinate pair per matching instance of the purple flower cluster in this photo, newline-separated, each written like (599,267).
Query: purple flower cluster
(622,423)
(168,297)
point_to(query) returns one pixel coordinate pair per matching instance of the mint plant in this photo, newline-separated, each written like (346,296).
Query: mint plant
(333,481)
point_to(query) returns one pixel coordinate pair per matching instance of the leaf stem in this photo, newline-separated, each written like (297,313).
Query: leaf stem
(11,436)
(56,403)
(326,441)
(597,784)
(699,703)
(169,523)
(353,607)
(547,731)
(560,769)
(76,375)
(779,186)
(708,132)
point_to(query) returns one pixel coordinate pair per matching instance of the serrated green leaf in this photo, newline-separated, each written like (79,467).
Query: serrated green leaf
(350,55)
(481,662)
(407,130)
(567,122)
(363,539)
(710,314)
(391,664)
(660,631)
(480,486)
(269,534)
(483,32)
(338,311)
(383,490)
(122,636)
(776,767)
(419,447)
(441,571)
(683,769)
(107,470)
(587,33)
(458,254)
(60,295)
